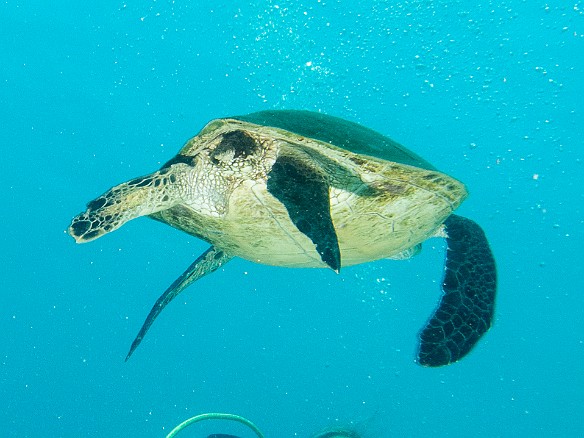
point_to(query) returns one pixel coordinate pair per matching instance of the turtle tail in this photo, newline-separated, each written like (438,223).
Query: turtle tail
(466,309)
(138,197)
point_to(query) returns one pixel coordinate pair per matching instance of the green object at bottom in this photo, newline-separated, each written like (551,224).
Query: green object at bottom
(215,416)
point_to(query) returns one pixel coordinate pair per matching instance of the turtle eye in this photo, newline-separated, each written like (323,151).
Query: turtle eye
(180,158)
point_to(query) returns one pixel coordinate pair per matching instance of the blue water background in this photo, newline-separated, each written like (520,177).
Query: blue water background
(95,93)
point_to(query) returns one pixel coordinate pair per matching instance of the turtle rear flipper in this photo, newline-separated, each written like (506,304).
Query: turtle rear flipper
(466,309)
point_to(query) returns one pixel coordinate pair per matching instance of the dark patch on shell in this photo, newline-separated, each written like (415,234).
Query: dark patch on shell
(358,160)
(367,191)
(389,187)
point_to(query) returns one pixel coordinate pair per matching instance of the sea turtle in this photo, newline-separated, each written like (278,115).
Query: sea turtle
(304,189)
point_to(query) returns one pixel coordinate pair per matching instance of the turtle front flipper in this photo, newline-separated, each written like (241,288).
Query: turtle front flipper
(466,309)
(304,191)
(138,197)
(208,262)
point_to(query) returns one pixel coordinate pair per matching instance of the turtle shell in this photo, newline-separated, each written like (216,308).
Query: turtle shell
(339,132)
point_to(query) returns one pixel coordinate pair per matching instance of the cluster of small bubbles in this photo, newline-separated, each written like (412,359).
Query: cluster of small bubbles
(374,287)
(323,54)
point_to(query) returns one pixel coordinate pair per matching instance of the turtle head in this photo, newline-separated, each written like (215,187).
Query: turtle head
(200,178)
(103,215)
(86,227)
(138,197)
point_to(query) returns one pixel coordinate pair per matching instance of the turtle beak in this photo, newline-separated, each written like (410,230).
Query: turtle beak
(82,230)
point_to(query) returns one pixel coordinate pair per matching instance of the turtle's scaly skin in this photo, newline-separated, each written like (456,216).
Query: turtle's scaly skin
(299,189)
(138,197)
